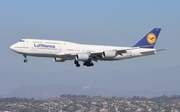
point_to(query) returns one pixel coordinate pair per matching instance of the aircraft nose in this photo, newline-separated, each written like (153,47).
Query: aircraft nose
(12,47)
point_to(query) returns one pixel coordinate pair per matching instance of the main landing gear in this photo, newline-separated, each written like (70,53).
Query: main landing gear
(76,63)
(25,60)
(86,63)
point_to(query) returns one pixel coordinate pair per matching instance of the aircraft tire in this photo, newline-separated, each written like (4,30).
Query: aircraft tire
(25,60)
(92,64)
(77,65)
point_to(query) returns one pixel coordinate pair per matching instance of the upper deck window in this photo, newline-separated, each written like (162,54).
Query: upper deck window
(22,41)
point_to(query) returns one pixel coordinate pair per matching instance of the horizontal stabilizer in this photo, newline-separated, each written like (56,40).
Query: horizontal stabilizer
(162,49)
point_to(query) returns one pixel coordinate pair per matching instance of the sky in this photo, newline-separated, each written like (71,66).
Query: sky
(104,22)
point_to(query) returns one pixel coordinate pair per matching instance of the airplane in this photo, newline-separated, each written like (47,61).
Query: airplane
(60,51)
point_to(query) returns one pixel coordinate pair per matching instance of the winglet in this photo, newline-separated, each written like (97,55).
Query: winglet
(149,40)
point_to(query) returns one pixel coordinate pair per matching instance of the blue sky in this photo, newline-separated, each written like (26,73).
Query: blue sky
(118,22)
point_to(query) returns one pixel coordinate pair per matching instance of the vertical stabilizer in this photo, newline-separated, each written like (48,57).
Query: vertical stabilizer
(149,40)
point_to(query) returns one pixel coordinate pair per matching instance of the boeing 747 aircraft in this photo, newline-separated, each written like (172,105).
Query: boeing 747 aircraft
(61,51)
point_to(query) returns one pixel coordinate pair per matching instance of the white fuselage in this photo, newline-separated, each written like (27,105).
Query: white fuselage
(67,50)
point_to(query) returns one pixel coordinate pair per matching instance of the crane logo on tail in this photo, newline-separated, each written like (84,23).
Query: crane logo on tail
(151,38)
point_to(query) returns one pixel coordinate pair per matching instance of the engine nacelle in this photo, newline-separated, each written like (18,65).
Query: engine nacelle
(58,60)
(109,54)
(82,57)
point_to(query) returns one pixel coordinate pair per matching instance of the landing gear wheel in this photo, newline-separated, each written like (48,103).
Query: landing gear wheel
(92,64)
(77,65)
(88,63)
(25,60)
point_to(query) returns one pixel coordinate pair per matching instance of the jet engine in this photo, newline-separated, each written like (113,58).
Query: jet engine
(82,57)
(59,59)
(109,54)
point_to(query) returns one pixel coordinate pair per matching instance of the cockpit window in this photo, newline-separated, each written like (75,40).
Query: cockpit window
(21,40)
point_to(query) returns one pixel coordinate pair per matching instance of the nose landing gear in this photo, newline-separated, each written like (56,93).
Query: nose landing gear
(25,60)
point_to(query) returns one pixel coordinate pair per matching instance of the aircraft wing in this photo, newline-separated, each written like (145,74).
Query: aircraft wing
(152,51)
(98,55)
(93,55)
